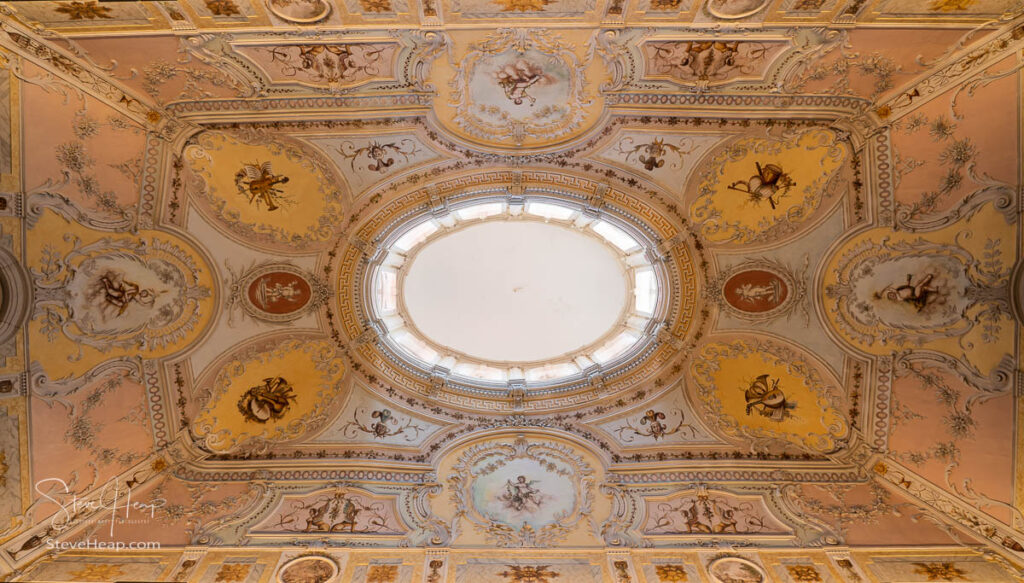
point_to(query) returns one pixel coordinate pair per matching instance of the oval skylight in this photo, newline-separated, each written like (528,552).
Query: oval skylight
(514,291)
(535,293)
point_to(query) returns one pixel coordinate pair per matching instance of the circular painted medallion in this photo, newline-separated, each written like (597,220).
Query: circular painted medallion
(735,570)
(308,570)
(755,291)
(300,11)
(279,292)
(733,9)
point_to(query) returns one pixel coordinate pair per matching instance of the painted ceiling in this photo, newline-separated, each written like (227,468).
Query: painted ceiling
(206,208)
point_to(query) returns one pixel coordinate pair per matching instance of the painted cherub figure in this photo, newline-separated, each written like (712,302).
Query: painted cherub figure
(516,78)
(752,293)
(520,493)
(119,293)
(916,294)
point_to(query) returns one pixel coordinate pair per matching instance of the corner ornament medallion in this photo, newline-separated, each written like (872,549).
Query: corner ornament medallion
(522,494)
(267,392)
(763,391)
(517,85)
(274,292)
(149,295)
(760,190)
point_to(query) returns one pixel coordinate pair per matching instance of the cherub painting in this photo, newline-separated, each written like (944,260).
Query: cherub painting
(910,292)
(518,77)
(753,293)
(916,292)
(521,495)
(119,293)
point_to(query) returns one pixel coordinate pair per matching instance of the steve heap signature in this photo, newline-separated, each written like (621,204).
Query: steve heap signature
(115,497)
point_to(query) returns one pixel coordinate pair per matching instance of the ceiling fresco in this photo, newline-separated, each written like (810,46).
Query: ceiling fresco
(212,337)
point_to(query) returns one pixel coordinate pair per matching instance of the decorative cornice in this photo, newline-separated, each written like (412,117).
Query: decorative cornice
(85,77)
(955,69)
(999,537)
(844,475)
(69,519)
(193,474)
(327,106)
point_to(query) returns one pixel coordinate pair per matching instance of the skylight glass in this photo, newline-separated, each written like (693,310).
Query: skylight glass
(637,323)
(549,211)
(480,211)
(416,235)
(481,371)
(627,327)
(387,291)
(646,290)
(393,322)
(417,347)
(551,371)
(637,259)
(615,347)
(615,236)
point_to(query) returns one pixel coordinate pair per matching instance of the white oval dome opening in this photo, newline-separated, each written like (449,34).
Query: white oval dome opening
(539,292)
(515,291)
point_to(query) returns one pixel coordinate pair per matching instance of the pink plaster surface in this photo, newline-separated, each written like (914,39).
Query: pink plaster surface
(52,111)
(983,453)
(900,49)
(989,122)
(139,59)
